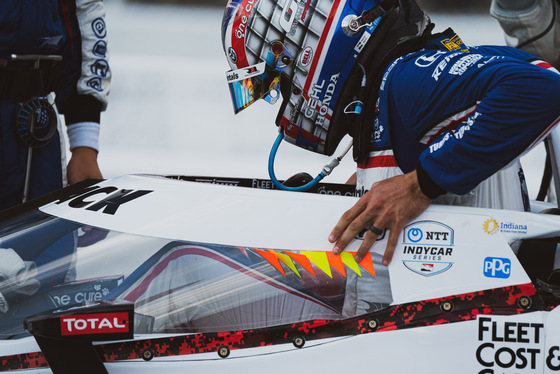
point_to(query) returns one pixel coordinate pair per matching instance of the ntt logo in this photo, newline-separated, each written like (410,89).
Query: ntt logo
(428,233)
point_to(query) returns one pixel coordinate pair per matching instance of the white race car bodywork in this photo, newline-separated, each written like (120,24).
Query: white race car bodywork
(446,258)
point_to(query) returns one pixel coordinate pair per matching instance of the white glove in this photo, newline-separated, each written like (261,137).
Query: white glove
(17,275)
(3,304)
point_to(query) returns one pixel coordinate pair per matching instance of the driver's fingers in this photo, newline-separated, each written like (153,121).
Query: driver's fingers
(346,221)
(350,232)
(392,242)
(369,240)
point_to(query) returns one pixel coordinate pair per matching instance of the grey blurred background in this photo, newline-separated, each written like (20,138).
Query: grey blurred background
(170,111)
(464,6)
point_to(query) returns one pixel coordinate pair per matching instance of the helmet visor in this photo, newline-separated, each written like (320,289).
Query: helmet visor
(252,83)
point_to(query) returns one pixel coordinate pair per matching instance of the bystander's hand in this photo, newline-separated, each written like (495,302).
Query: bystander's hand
(83,165)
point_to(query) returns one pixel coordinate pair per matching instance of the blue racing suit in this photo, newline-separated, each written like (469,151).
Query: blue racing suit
(469,113)
(75,30)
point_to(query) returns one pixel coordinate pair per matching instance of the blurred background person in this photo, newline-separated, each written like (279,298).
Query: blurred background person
(531,25)
(53,57)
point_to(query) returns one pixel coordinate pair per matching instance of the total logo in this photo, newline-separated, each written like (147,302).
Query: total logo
(496,267)
(100,323)
(428,247)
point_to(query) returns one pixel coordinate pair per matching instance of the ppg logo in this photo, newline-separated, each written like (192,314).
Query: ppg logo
(495,267)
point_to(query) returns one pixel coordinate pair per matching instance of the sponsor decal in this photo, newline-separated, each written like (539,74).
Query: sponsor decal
(491,227)
(245,73)
(553,358)
(87,198)
(100,323)
(83,292)
(99,28)
(95,83)
(457,134)
(288,17)
(428,247)
(293,12)
(509,347)
(232,76)
(491,59)
(306,57)
(240,25)
(325,191)
(464,63)
(378,129)
(232,55)
(362,42)
(100,48)
(438,71)
(454,44)
(220,181)
(496,267)
(305,10)
(427,60)
(100,68)
(314,101)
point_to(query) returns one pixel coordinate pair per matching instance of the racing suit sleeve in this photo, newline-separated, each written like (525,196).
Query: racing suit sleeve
(518,107)
(531,25)
(85,74)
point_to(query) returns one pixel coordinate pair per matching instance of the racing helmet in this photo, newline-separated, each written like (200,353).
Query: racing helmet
(314,53)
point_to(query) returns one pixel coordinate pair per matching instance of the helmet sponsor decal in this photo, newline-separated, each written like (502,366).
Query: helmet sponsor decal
(232,55)
(288,17)
(240,24)
(362,42)
(317,108)
(294,11)
(306,57)
(244,73)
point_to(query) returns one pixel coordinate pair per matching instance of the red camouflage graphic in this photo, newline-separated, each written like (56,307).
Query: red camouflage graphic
(504,301)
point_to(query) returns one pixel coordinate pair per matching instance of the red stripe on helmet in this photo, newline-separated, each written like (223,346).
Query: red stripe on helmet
(320,46)
(239,31)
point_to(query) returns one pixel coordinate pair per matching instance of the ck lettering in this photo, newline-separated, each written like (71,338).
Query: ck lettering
(106,199)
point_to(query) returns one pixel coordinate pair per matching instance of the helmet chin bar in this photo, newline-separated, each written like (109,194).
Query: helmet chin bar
(327,169)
